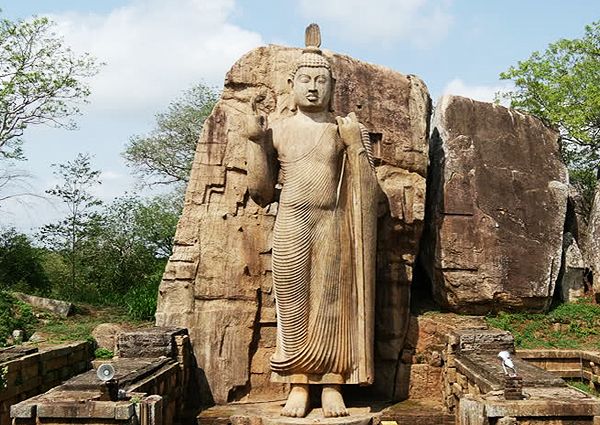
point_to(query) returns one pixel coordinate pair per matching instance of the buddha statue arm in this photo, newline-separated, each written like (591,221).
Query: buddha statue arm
(261,162)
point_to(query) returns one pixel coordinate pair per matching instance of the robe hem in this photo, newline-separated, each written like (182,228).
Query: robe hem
(326,378)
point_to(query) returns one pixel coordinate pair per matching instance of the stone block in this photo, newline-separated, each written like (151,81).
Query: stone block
(153,342)
(106,335)
(23,410)
(62,308)
(124,411)
(485,341)
(425,382)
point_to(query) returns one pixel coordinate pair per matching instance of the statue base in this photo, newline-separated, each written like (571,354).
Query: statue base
(414,412)
(315,416)
(268,413)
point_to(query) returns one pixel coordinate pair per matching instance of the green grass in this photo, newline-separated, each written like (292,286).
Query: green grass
(103,354)
(79,327)
(571,325)
(582,386)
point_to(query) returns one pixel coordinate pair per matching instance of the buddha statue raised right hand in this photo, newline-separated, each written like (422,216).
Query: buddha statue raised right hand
(255,125)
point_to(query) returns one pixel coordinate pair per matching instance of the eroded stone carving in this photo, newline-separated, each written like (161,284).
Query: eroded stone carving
(324,239)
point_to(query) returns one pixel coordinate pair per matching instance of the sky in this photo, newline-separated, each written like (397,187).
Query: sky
(153,50)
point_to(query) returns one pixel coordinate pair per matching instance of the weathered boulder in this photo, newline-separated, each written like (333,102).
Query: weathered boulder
(218,281)
(107,334)
(497,198)
(592,243)
(573,279)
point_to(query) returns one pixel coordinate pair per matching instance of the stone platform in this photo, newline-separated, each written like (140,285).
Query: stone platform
(364,413)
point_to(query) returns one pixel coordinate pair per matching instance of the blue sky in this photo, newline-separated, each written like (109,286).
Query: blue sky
(155,49)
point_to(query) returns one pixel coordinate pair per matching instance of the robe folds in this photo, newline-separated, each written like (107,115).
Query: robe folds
(324,247)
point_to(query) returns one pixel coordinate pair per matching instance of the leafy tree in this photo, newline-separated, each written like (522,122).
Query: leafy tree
(156,220)
(21,264)
(118,257)
(562,87)
(41,80)
(82,220)
(165,155)
(122,257)
(134,239)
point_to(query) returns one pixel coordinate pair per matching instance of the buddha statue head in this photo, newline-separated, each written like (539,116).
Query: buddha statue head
(311,81)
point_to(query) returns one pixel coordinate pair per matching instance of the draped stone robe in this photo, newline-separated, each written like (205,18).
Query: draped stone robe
(324,244)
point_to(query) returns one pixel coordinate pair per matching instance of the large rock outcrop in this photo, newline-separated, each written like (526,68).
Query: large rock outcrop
(497,198)
(592,243)
(218,280)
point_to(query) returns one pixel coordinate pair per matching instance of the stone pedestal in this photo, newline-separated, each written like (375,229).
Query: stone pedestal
(269,414)
(316,418)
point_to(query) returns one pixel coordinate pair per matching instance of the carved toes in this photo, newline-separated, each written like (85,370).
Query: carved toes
(335,412)
(333,402)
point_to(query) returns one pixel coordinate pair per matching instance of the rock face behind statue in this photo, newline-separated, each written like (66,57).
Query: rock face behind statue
(218,281)
(496,208)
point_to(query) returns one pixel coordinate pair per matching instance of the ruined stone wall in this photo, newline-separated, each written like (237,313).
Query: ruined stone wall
(25,376)
(218,281)
(152,368)
(568,364)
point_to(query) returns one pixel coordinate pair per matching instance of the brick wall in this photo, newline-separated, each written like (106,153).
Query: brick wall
(35,373)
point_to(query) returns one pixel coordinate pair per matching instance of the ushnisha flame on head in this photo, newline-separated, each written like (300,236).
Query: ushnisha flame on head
(312,56)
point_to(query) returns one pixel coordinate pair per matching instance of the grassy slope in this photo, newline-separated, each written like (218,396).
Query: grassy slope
(79,326)
(572,325)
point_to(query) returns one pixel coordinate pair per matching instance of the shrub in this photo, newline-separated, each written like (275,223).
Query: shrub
(14,314)
(103,354)
(141,300)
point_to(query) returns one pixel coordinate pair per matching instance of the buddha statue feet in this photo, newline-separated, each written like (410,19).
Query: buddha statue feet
(333,402)
(298,401)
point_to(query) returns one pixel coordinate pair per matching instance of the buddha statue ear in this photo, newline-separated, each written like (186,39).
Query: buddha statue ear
(332,93)
(292,101)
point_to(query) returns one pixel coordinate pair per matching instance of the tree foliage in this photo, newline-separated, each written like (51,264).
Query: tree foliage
(165,155)
(562,87)
(41,80)
(82,220)
(132,242)
(14,315)
(21,264)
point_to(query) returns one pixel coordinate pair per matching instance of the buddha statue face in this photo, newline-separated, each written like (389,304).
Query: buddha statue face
(312,89)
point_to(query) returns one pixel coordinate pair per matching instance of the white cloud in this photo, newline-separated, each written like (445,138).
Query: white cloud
(484,93)
(420,22)
(154,49)
(110,175)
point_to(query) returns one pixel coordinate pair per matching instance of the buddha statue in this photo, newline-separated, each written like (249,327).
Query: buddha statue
(324,239)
